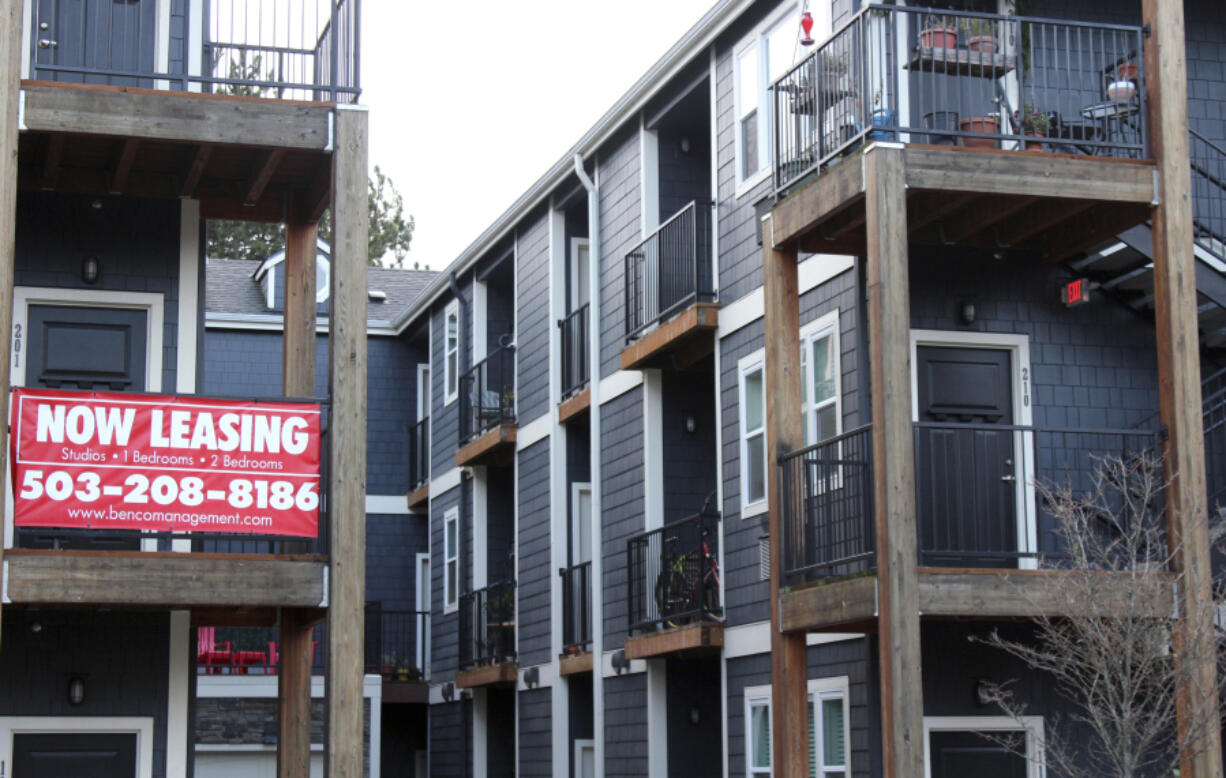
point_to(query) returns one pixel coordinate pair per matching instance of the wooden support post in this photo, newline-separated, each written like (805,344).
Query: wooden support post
(297,380)
(1179,389)
(347,443)
(889,338)
(294,695)
(789,666)
(10,66)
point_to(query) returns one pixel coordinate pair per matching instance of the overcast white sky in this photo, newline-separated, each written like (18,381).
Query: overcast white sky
(472,102)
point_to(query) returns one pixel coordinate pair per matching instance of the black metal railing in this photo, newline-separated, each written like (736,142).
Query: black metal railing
(1208,193)
(673,574)
(285,49)
(397,643)
(574,350)
(576,608)
(487,394)
(419,453)
(671,269)
(827,508)
(969,506)
(1213,408)
(487,625)
(953,78)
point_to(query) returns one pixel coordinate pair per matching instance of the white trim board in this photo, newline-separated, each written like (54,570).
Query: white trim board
(1031,725)
(754,639)
(141,726)
(441,484)
(259,686)
(812,273)
(534,431)
(178,687)
(261,322)
(189,296)
(617,384)
(1019,347)
(548,673)
(387,504)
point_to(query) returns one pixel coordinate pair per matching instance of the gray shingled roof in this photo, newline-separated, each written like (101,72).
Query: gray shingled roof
(230,289)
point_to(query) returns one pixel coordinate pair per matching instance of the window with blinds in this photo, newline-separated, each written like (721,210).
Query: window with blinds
(827,729)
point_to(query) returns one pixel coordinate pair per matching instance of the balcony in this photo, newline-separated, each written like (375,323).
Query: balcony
(978,516)
(487,636)
(419,463)
(291,49)
(670,298)
(673,588)
(996,114)
(575,336)
(487,410)
(576,618)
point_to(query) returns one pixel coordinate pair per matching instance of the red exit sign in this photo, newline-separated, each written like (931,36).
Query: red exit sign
(1076,292)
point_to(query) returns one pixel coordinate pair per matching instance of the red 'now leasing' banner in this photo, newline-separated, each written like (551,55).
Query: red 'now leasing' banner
(144,462)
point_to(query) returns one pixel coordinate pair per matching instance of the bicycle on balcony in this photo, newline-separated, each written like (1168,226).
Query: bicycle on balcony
(688,584)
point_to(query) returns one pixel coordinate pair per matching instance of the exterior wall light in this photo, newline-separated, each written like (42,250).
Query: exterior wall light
(76,690)
(90,269)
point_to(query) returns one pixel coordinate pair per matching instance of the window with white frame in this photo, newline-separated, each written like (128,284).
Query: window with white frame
(751,372)
(451,351)
(761,57)
(451,559)
(821,413)
(829,729)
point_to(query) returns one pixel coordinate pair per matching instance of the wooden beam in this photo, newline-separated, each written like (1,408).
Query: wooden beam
(789,663)
(268,209)
(123,165)
(1062,176)
(51,162)
(297,380)
(689,638)
(188,117)
(851,601)
(889,317)
(294,695)
(989,211)
(10,64)
(1179,391)
(261,174)
(120,578)
(815,201)
(490,675)
(576,663)
(492,445)
(986,594)
(347,442)
(1038,218)
(317,197)
(1100,223)
(195,169)
(937,206)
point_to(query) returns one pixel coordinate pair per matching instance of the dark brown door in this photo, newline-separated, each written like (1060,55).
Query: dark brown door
(967,754)
(74,755)
(965,457)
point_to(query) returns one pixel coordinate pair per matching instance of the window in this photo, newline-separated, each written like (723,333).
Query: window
(451,352)
(763,56)
(451,560)
(821,415)
(752,382)
(828,729)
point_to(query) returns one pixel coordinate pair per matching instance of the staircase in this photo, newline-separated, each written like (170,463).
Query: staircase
(1123,267)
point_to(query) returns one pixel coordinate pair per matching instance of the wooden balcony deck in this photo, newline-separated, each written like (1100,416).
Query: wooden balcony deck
(677,343)
(1055,204)
(698,638)
(943,593)
(501,674)
(163,580)
(492,448)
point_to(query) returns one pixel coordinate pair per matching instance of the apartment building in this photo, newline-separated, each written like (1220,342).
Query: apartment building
(779,270)
(125,127)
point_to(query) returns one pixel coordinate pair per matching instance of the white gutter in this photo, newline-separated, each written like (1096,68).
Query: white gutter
(593,372)
(700,36)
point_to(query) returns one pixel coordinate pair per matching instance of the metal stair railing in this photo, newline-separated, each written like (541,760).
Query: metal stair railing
(1208,193)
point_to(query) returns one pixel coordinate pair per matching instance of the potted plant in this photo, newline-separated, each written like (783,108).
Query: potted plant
(979,34)
(937,33)
(1035,124)
(988,125)
(941,122)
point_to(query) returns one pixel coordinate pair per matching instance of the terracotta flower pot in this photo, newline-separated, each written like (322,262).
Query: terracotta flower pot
(984,44)
(1129,71)
(939,38)
(1031,145)
(984,124)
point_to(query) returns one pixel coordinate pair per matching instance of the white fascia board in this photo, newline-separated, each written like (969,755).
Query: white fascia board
(534,431)
(274,323)
(617,384)
(812,273)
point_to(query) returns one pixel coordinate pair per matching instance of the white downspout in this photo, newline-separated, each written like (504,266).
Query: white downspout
(593,237)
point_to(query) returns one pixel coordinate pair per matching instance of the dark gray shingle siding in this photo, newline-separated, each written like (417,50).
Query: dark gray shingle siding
(532,339)
(619,232)
(445,628)
(621,424)
(536,733)
(625,726)
(536,570)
